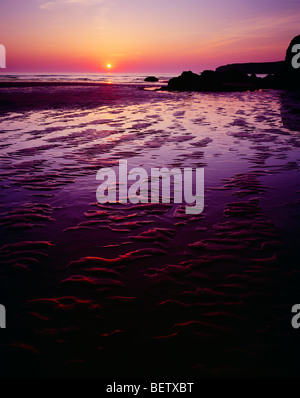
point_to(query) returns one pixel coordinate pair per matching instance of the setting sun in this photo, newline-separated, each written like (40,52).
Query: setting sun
(108,66)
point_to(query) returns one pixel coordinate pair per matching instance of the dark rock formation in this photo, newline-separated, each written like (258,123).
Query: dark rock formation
(289,76)
(151,79)
(228,79)
(187,81)
(209,80)
(259,68)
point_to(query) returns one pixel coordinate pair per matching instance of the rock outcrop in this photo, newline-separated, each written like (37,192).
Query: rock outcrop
(151,79)
(209,80)
(224,79)
(259,68)
(289,76)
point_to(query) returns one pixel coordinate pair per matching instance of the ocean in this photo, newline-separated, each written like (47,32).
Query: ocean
(109,77)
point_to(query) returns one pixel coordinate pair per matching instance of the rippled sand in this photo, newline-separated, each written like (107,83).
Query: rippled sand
(146,290)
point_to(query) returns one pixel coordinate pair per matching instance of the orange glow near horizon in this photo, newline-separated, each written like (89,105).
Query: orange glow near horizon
(80,36)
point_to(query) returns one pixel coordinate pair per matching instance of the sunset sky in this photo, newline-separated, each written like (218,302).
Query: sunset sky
(143,36)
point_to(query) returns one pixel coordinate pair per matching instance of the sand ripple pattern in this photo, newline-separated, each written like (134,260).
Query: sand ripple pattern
(138,290)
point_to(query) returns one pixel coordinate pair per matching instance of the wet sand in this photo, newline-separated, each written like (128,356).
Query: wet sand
(145,290)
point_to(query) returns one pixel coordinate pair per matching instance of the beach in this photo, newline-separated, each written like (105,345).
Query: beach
(146,290)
